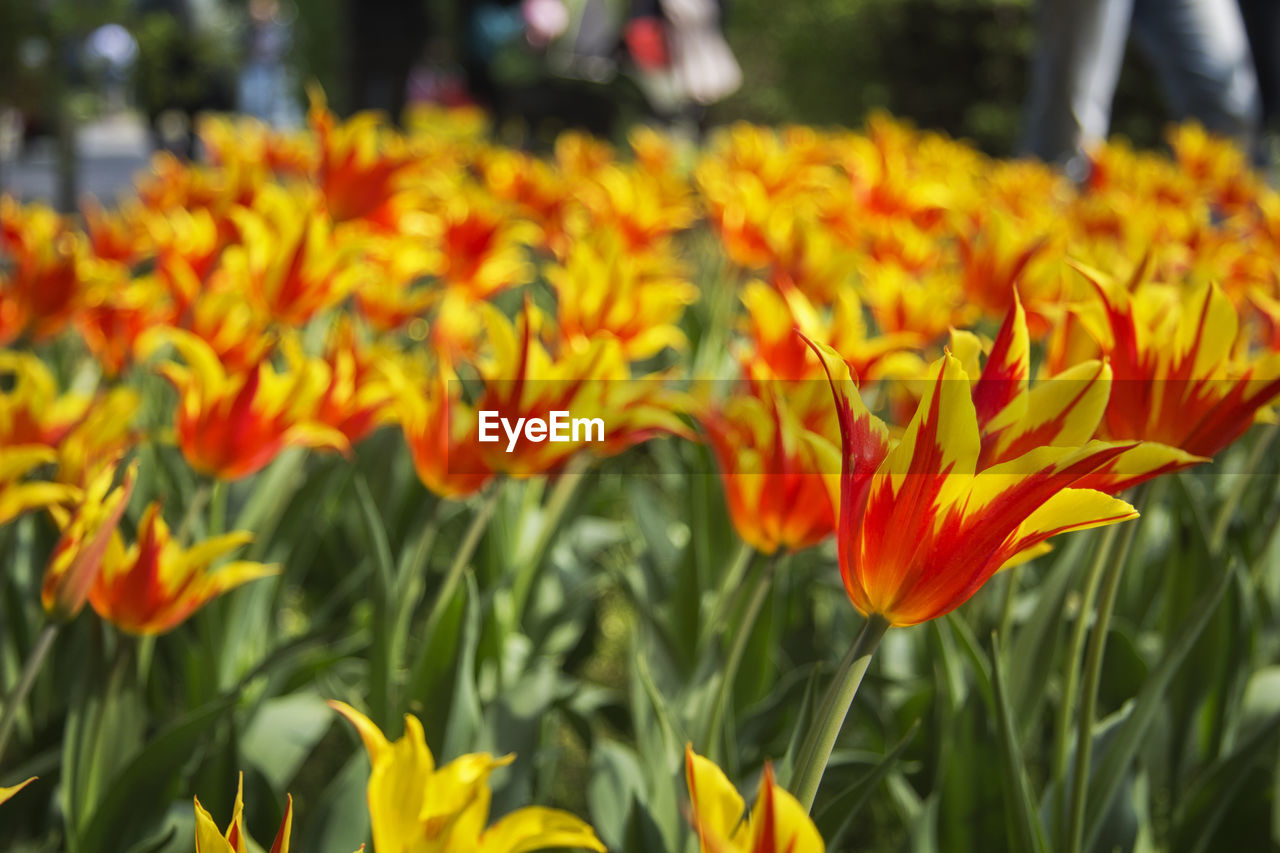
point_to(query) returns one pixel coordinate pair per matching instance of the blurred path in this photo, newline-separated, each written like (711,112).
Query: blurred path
(112,149)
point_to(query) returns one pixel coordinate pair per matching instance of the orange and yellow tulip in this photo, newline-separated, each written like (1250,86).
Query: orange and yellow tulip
(87,528)
(32,411)
(209,839)
(16,496)
(1186,382)
(42,284)
(230,425)
(922,528)
(778,452)
(154,585)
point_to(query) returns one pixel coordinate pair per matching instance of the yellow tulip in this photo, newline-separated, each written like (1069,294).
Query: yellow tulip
(417,807)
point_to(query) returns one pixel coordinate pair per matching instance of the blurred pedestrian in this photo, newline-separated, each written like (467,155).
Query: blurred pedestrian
(266,86)
(1198,49)
(185,66)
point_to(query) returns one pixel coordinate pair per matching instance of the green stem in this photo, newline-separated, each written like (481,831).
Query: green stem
(194,508)
(561,496)
(40,651)
(1071,683)
(755,604)
(727,590)
(1218,537)
(218,508)
(1093,680)
(835,707)
(466,550)
(1012,576)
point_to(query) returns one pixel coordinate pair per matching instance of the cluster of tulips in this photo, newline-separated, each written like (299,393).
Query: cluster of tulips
(841,325)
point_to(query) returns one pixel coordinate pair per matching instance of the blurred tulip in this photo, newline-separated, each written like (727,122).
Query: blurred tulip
(87,528)
(32,411)
(417,807)
(359,166)
(155,584)
(356,396)
(101,437)
(1186,379)
(41,281)
(230,425)
(637,298)
(778,452)
(17,497)
(287,261)
(8,793)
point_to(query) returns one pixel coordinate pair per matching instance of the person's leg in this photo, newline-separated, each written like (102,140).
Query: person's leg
(1079,51)
(1262,25)
(1202,60)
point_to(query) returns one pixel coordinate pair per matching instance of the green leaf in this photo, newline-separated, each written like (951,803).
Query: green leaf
(149,777)
(614,789)
(466,718)
(1027,829)
(282,734)
(1110,770)
(848,804)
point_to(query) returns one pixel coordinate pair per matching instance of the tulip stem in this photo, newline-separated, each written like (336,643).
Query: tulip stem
(1218,537)
(729,675)
(462,558)
(1093,679)
(732,582)
(218,508)
(571,477)
(40,651)
(816,751)
(1071,682)
(1012,576)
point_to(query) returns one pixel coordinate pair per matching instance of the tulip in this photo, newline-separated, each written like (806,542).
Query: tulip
(17,497)
(155,584)
(777,823)
(87,529)
(1065,410)
(1199,394)
(417,807)
(776,457)
(921,528)
(288,261)
(635,297)
(8,793)
(209,839)
(42,257)
(230,425)
(32,411)
(360,165)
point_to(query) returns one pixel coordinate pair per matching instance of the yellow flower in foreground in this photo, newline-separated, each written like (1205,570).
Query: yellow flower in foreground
(416,807)
(210,840)
(777,823)
(7,793)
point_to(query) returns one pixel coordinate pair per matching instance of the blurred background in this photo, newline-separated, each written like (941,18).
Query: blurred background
(88,88)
